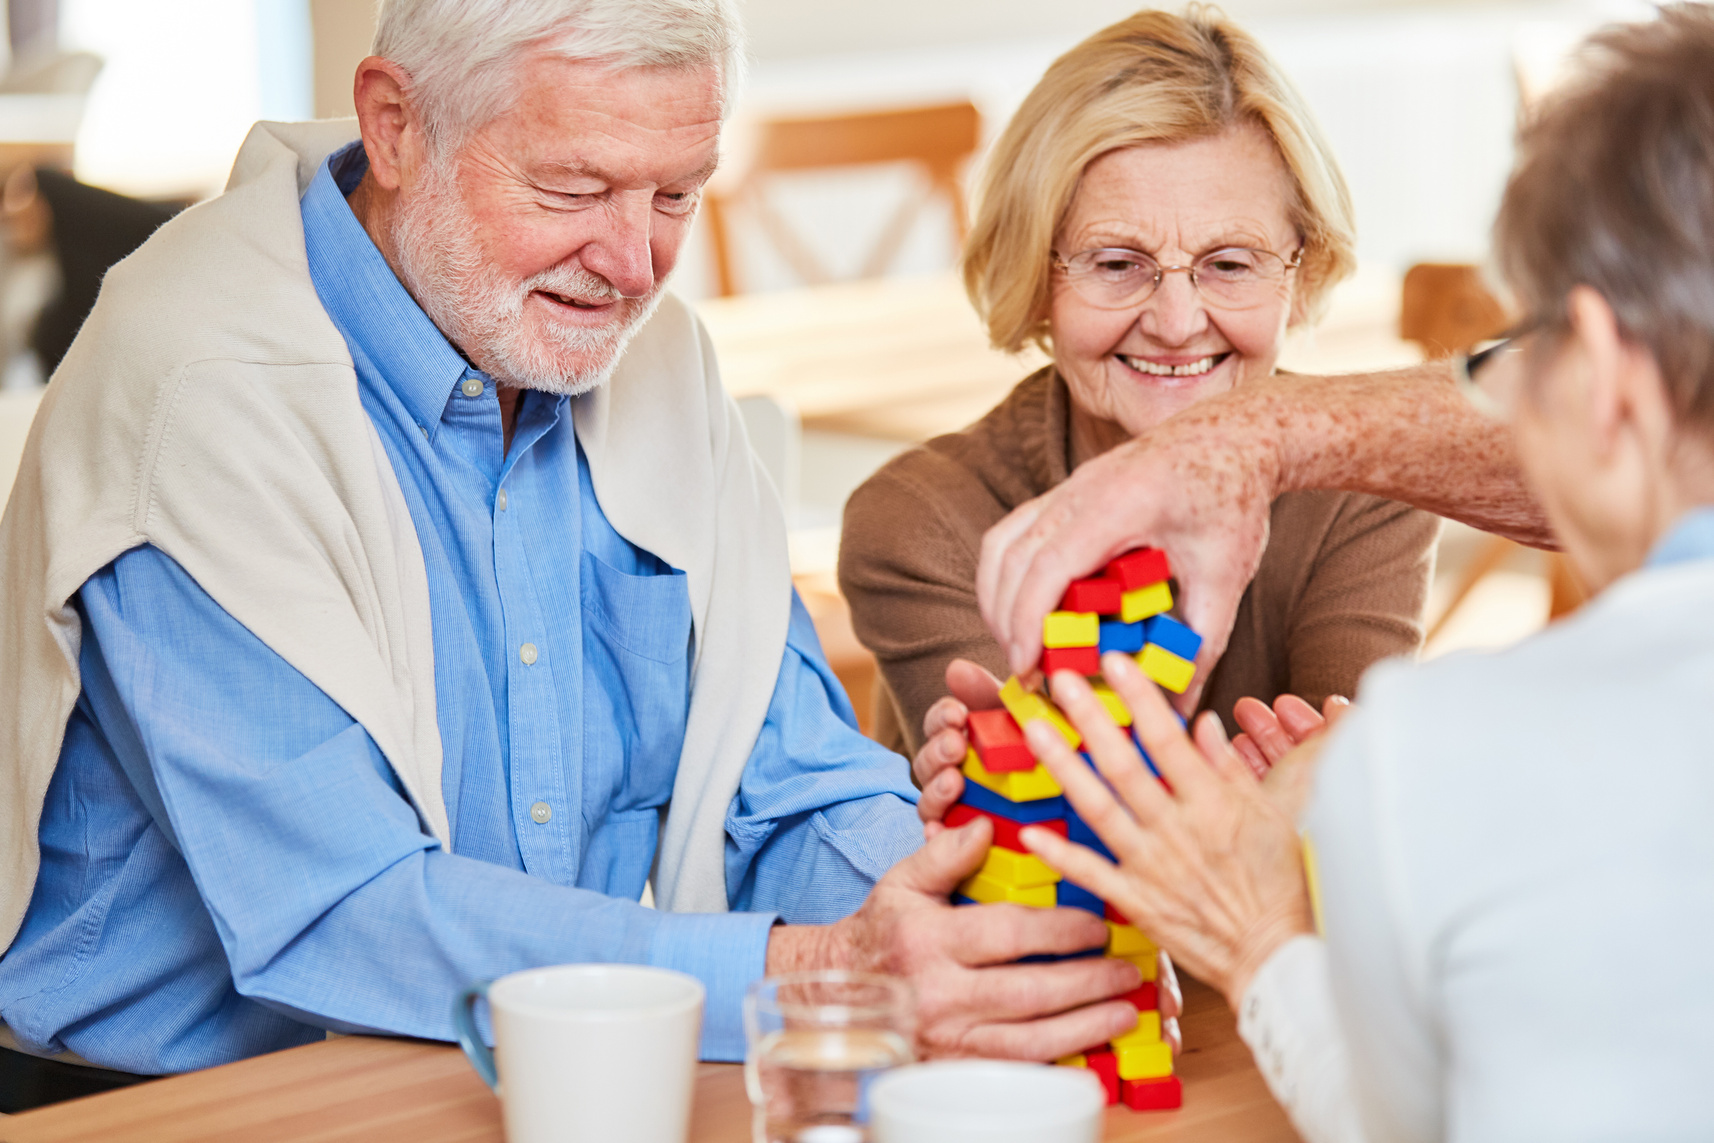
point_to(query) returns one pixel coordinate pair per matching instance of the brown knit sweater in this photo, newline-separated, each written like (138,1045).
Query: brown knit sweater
(1342,584)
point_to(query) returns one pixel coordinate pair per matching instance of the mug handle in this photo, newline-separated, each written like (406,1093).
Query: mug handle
(480,1055)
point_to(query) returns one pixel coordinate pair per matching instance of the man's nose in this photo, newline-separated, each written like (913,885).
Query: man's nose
(621,252)
(1175,313)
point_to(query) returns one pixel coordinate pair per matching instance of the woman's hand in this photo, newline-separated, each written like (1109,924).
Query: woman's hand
(1269,734)
(944,740)
(1213,870)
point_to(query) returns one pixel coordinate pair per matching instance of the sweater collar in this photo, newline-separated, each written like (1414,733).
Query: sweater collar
(368,303)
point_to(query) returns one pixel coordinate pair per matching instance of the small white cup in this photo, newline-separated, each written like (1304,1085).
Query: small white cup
(986,1101)
(596,1052)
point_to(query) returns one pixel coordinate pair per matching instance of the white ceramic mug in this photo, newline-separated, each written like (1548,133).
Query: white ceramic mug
(986,1101)
(589,1053)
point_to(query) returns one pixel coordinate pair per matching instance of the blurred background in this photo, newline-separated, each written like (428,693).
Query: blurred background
(822,262)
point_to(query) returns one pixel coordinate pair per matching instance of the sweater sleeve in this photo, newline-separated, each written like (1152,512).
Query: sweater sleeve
(1364,598)
(908,570)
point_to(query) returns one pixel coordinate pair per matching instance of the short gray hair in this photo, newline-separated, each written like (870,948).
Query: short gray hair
(461,54)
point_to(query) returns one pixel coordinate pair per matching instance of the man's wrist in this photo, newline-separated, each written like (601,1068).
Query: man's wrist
(807,948)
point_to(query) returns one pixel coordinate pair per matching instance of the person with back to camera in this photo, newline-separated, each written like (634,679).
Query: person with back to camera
(1493,834)
(1158,214)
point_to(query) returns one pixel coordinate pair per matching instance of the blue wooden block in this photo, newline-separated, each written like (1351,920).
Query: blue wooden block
(1025,813)
(1054,958)
(1079,831)
(1077,897)
(1169,634)
(961,899)
(1118,636)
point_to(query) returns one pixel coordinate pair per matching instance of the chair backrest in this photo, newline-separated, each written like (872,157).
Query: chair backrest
(938,139)
(1446,308)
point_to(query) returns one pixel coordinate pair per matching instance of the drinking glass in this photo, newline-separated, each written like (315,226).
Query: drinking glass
(816,1041)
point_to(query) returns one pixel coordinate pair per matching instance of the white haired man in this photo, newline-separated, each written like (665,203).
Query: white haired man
(376,620)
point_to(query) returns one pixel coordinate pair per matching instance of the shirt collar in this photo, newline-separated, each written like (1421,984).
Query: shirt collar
(366,300)
(1692,538)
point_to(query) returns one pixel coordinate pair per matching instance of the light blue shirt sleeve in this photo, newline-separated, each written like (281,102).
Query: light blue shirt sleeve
(821,811)
(331,903)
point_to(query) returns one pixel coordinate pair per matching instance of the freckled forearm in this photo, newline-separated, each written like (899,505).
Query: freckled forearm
(1407,435)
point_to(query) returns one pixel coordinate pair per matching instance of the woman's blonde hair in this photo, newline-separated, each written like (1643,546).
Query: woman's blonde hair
(1152,78)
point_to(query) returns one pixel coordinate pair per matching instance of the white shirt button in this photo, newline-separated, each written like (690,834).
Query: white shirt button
(540,813)
(500,500)
(472,387)
(424,429)
(527,653)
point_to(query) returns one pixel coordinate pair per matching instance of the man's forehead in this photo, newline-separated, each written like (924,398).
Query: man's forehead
(580,118)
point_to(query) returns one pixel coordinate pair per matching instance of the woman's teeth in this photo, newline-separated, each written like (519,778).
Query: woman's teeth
(1191,370)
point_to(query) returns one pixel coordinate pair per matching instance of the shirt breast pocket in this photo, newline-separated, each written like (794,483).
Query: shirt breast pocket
(637,656)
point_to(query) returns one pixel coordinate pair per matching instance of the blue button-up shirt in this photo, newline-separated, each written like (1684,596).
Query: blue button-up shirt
(229,865)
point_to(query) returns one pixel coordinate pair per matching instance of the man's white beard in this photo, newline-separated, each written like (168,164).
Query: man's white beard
(483,314)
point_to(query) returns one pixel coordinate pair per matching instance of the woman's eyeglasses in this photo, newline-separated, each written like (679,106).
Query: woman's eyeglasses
(1232,278)
(1491,377)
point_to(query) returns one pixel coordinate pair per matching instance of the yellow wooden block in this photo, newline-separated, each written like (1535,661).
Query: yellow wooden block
(1019,870)
(1078,1061)
(1144,602)
(1166,668)
(1147,963)
(1127,940)
(989,891)
(1143,1061)
(1071,629)
(1017,786)
(1147,1031)
(1025,706)
(1116,708)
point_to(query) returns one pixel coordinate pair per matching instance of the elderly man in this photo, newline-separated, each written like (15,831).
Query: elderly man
(387,593)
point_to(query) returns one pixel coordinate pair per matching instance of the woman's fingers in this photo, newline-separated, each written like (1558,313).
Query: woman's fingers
(1076,863)
(1113,752)
(1210,738)
(1157,727)
(1093,800)
(939,795)
(1265,727)
(1252,754)
(1054,1037)
(1298,719)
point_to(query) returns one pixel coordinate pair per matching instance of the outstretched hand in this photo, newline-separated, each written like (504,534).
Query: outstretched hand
(1212,869)
(1198,486)
(1271,733)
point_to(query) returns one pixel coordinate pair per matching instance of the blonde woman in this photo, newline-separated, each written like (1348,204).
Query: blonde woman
(1157,216)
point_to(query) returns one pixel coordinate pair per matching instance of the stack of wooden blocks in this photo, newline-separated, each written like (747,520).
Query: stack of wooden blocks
(1123,609)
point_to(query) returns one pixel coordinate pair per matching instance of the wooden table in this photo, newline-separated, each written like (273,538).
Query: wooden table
(408,1091)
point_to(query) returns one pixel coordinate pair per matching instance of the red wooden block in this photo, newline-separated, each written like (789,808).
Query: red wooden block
(1145,996)
(1152,1094)
(1105,1065)
(999,742)
(1083,660)
(1114,915)
(1140,568)
(1005,829)
(1099,594)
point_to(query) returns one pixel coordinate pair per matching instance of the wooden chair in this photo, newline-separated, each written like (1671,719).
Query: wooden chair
(938,139)
(1446,309)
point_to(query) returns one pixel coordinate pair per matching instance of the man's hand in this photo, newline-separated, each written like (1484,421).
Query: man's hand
(1212,870)
(945,741)
(1196,486)
(970,999)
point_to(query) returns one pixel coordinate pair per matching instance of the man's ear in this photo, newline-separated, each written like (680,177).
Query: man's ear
(392,136)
